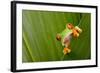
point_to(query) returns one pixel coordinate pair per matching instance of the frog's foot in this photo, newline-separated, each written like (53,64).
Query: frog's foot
(75,33)
(78,29)
(66,51)
(58,37)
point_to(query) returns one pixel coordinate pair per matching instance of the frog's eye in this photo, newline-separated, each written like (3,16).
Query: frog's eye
(70,26)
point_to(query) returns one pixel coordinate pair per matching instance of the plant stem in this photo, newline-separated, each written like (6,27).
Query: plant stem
(62,57)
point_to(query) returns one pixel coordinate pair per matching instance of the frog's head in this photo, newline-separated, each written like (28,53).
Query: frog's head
(76,30)
(69,26)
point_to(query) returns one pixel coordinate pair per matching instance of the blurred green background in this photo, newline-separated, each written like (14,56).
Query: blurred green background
(39,30)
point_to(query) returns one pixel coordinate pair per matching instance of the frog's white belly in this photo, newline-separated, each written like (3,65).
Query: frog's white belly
(66,38)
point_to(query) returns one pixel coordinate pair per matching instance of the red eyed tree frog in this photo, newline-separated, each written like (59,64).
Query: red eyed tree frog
(66,34)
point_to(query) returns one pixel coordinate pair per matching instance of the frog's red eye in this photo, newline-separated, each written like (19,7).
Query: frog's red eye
(70,26)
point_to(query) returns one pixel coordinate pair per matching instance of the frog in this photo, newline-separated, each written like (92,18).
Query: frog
(66,35)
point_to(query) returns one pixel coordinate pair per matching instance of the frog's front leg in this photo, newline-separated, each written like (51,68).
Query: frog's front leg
(76,31)
(58,37)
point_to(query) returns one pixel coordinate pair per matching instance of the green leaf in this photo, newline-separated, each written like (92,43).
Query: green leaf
(40,28)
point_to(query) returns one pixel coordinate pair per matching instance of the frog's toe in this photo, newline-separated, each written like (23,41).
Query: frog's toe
(66,51)
(69,50)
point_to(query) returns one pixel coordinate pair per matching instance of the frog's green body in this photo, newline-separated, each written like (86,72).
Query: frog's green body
(65,33)
(65,36)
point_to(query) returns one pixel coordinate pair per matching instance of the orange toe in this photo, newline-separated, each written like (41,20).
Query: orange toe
(66,50)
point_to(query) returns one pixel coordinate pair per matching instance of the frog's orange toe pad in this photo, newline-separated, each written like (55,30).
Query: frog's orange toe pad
(75,33)
(66,50)
(69,50)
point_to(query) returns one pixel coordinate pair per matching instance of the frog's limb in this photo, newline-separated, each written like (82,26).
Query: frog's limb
(78,29)
(75,33)
(58,37)
(66,50)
